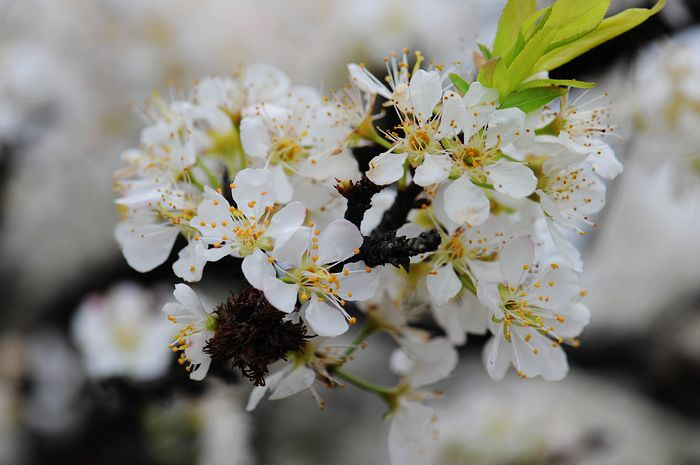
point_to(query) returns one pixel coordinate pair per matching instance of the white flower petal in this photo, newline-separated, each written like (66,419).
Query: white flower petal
(366,82)
(386,168)
(256,267)
(431,359)
(291,252)
(338,241)
(466,203)
(297,380)
(264,83)
(410,434)
(145,246)
(497,356)
(253,191)
(452,115)
(255,137)
(425,92)
(191,260)
(324,319)
(516,259)
(281,295)
(603,159)
(511,178)
(443,284)
(188,299)
(505,126)
(271,382)
(286,222)
(570,254)
(358,285)
(434,169)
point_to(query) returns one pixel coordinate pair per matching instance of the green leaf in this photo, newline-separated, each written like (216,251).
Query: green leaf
(581,18)
(485,51)
(460,84)
(556,82)
(514,14)
(532,99)
(535,22)
(521,67)
(493,74)
(608,29)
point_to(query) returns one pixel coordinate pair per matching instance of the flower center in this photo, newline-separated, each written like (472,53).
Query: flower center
(288,151)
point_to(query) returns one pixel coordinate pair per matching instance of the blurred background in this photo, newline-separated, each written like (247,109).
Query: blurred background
(85,373)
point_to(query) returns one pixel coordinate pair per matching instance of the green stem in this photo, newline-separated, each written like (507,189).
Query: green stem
(373,136)
(359,339)
(213,180)
(190,177)
(383,392)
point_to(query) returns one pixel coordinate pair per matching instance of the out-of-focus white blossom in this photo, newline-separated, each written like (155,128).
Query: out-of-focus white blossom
(122,333)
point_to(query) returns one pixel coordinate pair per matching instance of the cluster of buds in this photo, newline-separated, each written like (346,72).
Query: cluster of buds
(466,213)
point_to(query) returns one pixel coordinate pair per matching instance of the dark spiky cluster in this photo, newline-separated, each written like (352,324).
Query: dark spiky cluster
(387,248)
(359,195)
(253,334)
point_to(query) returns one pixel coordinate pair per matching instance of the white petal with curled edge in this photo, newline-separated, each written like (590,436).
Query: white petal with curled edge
(386,168)
(297,380)
(434,169)
(425,92)
(191,260)
(286,222)
(603,159)
(324,319)
(570,254)
(505,126)
(443,284)
(281,295)
(253,191)
(511,178)
(338,241)
(256,267)
(189,300)
(366,82)
(497,356)
(145,246)
(516,259)
(466,203)
(255,137)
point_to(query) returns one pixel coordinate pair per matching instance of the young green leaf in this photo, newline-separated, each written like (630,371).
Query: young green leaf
(608,29)
(485,51)
(460,84)
(493,74)
(514,14)
(531,99)
(580,21)
(556,82)
(521,67)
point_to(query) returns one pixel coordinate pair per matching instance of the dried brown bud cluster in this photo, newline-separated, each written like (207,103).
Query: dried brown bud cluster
(253,334)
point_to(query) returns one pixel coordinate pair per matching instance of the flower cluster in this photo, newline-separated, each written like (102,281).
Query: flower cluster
(467,212)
